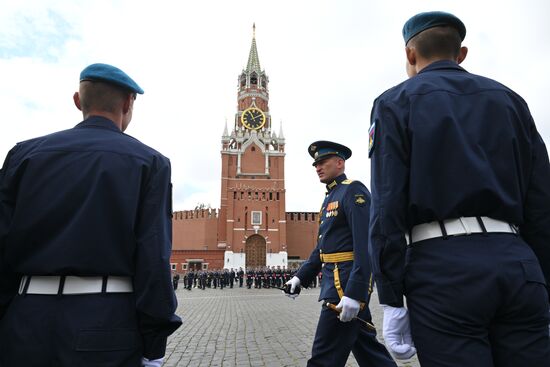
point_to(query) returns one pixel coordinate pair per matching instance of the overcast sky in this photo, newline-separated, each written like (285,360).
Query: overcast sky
(326,60)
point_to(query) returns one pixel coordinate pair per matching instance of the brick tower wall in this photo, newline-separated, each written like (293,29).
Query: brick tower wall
(195,230)
(302,229)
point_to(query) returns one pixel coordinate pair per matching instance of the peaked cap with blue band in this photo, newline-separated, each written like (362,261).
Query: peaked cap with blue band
(110,74)
(422,21)
(323,149)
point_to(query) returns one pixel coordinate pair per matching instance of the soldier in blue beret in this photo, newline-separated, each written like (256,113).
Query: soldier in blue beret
(460,218)
(85,239)
(342,256)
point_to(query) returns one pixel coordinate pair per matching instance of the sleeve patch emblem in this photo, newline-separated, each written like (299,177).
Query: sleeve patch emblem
(372,131)
(360,199)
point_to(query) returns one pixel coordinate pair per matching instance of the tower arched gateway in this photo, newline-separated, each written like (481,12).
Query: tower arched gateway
(255,251)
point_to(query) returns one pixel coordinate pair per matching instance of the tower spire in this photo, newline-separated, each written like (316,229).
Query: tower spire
(225,132)
(253,59)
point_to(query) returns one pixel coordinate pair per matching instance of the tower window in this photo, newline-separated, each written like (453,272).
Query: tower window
(234,195)
(277,196)
(270,196)
(256,217)
(253,149)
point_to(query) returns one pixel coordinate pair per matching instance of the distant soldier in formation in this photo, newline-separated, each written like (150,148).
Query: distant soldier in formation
(224,278)
(202,280)
(232,276)
(268,277)
(190,279)
(259,277)
(240,276)
(175,280)
(215,278)
(249,278)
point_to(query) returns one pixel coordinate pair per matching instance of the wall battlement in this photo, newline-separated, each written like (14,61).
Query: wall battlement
(196,214)
(302,216)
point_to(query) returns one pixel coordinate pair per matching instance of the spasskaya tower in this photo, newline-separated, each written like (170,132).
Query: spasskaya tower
(252,223)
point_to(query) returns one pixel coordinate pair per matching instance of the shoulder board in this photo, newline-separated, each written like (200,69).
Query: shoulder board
(347,182)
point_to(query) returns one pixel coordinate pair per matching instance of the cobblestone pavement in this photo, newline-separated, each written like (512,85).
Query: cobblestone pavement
(242,327)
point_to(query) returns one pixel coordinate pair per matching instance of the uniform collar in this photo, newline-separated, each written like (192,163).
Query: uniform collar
(98,121)
(335,182)
(442,65)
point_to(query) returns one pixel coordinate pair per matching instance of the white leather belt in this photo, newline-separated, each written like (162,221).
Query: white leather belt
(458,227)
(37,284)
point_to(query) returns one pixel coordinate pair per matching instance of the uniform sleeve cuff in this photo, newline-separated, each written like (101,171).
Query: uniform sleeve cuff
(300,274)
(154,347)
(390,294)
(357,290)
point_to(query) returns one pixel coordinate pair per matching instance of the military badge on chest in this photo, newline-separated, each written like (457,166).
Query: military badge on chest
(332,209)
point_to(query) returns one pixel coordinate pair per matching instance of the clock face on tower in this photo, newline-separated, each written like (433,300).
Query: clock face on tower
(253,118)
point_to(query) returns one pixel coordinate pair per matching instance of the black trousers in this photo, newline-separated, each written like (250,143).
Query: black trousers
(67,331)
(334,340)
(477,301)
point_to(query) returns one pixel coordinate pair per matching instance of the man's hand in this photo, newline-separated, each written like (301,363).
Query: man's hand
(349,308)
(293,283)
(397,332)
(151,362)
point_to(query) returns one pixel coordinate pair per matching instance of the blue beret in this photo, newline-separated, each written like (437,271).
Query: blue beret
(323,149)
(421,22)
(110,74)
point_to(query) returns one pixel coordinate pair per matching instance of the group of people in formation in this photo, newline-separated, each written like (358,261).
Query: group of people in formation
(259,277)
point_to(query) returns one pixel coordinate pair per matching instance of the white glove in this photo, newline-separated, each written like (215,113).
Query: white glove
(349,308)
(294,282)
(397,332)
(151,362)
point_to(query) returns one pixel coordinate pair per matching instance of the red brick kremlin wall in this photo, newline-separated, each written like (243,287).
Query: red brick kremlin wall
(194,235)
(195,230)
(301,230)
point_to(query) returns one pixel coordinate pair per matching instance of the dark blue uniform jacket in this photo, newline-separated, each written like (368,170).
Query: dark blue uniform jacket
(344,219)
(91,201)
(447,144)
